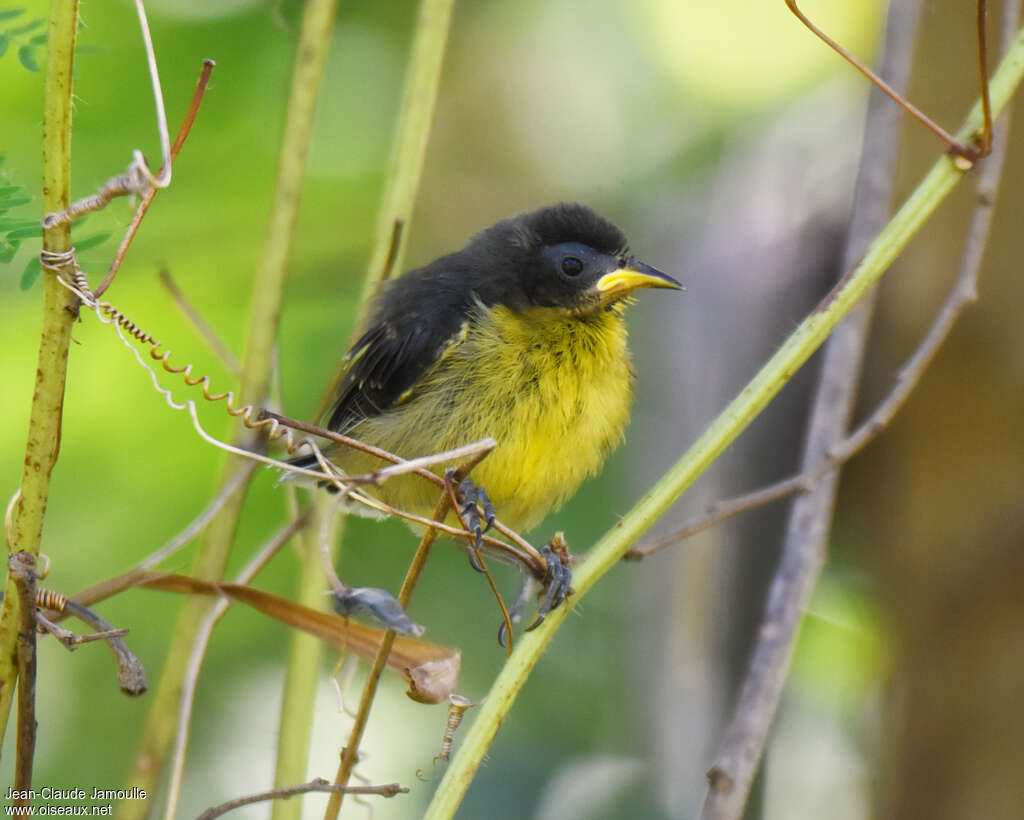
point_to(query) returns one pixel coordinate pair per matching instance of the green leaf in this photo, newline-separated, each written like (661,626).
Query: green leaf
(9,14)
(26,28)
(91,241)
(4,42)
(39,39)
(7,254)
(27,56)
(10,223)
(33,231)
(7,190)
(13,201)
(31,273)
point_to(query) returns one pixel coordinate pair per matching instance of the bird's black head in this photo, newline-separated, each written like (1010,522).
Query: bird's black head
(564,255)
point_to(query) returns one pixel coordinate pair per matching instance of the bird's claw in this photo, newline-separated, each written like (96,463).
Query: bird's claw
(515,612)
(472,499)
(557,583)
(556,586)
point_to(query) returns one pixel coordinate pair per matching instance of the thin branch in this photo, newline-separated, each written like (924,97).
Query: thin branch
(202,641)
(131,674)
(245,471)
(147,199)
(69,640)
(721,511)
(318,785)
(206,333)
(787,359)
(21,569)
(967,153)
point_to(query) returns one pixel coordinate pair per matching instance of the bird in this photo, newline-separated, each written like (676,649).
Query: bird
(519,336)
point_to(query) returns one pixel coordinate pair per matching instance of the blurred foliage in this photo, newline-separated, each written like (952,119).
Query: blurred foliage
(633,108)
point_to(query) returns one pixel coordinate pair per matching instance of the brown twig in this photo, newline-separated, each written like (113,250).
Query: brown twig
(206,333)
(147,199)
(131,674)
(318,785)
(805,546)
(969,153)
(21,568)
(69,640)
(720,511)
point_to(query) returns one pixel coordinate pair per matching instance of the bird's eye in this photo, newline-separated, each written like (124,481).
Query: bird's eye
(571,266)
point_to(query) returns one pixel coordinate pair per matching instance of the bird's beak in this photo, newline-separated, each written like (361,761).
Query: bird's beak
(632,275)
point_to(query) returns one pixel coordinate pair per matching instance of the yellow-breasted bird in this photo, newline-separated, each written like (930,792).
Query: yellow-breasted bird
(520,336)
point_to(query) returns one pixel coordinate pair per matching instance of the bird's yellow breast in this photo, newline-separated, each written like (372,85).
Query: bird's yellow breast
(553,390)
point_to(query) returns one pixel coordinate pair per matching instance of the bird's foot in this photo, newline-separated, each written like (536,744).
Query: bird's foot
(556,585)
(557,581)
(472,499)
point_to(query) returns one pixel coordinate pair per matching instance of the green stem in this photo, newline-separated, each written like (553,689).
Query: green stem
(314,41)
(43,443)
(419,100)
(405,169)
(299,695)
(935,187)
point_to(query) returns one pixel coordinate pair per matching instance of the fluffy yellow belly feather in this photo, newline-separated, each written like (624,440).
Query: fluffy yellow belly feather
(554,392)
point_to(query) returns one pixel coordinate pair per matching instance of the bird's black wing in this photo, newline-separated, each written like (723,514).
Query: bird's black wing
(415,320)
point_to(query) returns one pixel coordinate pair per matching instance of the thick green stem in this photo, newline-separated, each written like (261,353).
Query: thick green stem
(419,100)
(43,444)
(304,654)
(311,55)
(810,334)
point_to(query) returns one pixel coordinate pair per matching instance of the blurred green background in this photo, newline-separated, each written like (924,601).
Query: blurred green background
(724,140)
